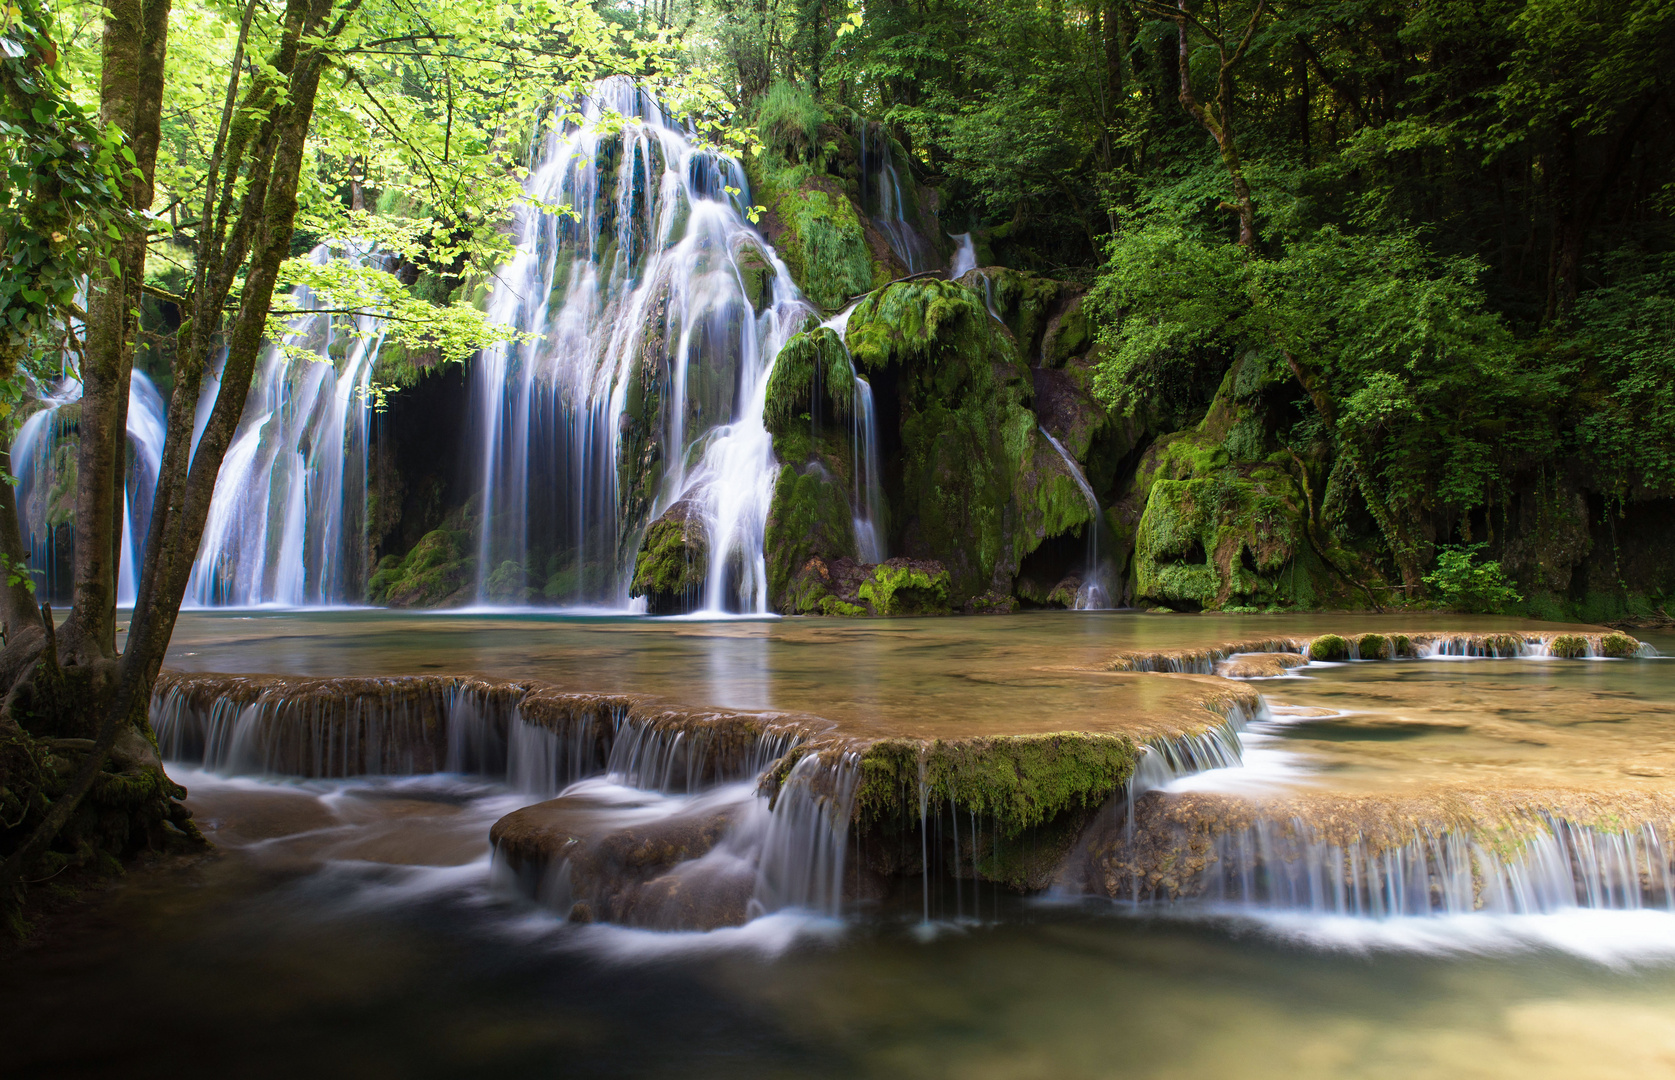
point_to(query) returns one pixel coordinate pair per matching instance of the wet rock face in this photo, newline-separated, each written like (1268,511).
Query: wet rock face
(664,874)
(966,435)
(673,561)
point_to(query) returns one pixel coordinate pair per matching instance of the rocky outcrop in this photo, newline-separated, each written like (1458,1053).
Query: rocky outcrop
(673,561)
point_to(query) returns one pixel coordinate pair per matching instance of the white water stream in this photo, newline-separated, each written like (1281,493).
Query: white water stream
(649,330)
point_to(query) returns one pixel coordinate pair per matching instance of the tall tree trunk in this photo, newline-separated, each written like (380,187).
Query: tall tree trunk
(131,98)
(172,545)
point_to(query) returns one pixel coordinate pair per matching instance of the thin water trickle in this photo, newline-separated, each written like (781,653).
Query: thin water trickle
(1092,593)
(965,256)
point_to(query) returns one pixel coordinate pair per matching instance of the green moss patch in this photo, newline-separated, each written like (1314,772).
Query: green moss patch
(1329,648)
(673,562)
(1018,782)
(439,571)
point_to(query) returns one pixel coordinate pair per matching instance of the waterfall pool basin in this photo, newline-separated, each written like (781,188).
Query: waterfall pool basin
(358,923)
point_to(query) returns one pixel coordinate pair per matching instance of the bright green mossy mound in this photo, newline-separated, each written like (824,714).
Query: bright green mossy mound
(1618,646)
(896,589)
(673,562)
(816,231)
(1401,645)
(1568,646)
(1329,648)
(1018,781)
(809,362)
(1373,647)
(439,571)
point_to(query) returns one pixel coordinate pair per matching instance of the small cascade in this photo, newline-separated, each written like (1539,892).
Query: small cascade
(1290,865)
(285,526)
(660,312)
(882,182)
(868,496)
(43,459)
(1092,594)
(965,256)
(807,838)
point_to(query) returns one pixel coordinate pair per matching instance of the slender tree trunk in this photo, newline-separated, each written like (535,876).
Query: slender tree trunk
(131,98)
(17,601)
(172,545)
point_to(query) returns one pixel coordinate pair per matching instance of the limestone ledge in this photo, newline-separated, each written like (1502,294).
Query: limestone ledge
(1017,777)
(1219,659)
(1471,840)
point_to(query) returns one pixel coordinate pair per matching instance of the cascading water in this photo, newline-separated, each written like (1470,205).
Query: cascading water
(286,521)
(885,188)
(965,257)
(661,312)
(868,496)
(1091,594)
(44,458)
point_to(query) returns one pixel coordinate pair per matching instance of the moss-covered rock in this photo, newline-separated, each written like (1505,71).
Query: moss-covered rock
(812,375)
(906,587)
(810,518)
(1373,647)
(1568,646)
(972,461)
(1218,541)
(1618,646)
(673,561)
(1329,648)
(440,571)
(816,231)
(757,275)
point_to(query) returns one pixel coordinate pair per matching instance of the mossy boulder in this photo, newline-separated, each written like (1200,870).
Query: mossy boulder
(673,561)
(1568,646)
(809,518)
(812,379)
(980,487)
(1329,648)
(847,588)
(809,402)
(1373,647)
(1618,646)
(816,230)
(906,587)
(1218,541)
(757,274)
(440,571)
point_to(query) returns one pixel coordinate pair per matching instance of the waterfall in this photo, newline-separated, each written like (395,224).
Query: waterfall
(868,496)
(1092,594)
(286,522)
(42,458)
(660,312)
(965,256)
(891,215)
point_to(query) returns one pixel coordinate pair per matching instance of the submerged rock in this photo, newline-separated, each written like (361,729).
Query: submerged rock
(575,855)
(1259,665)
